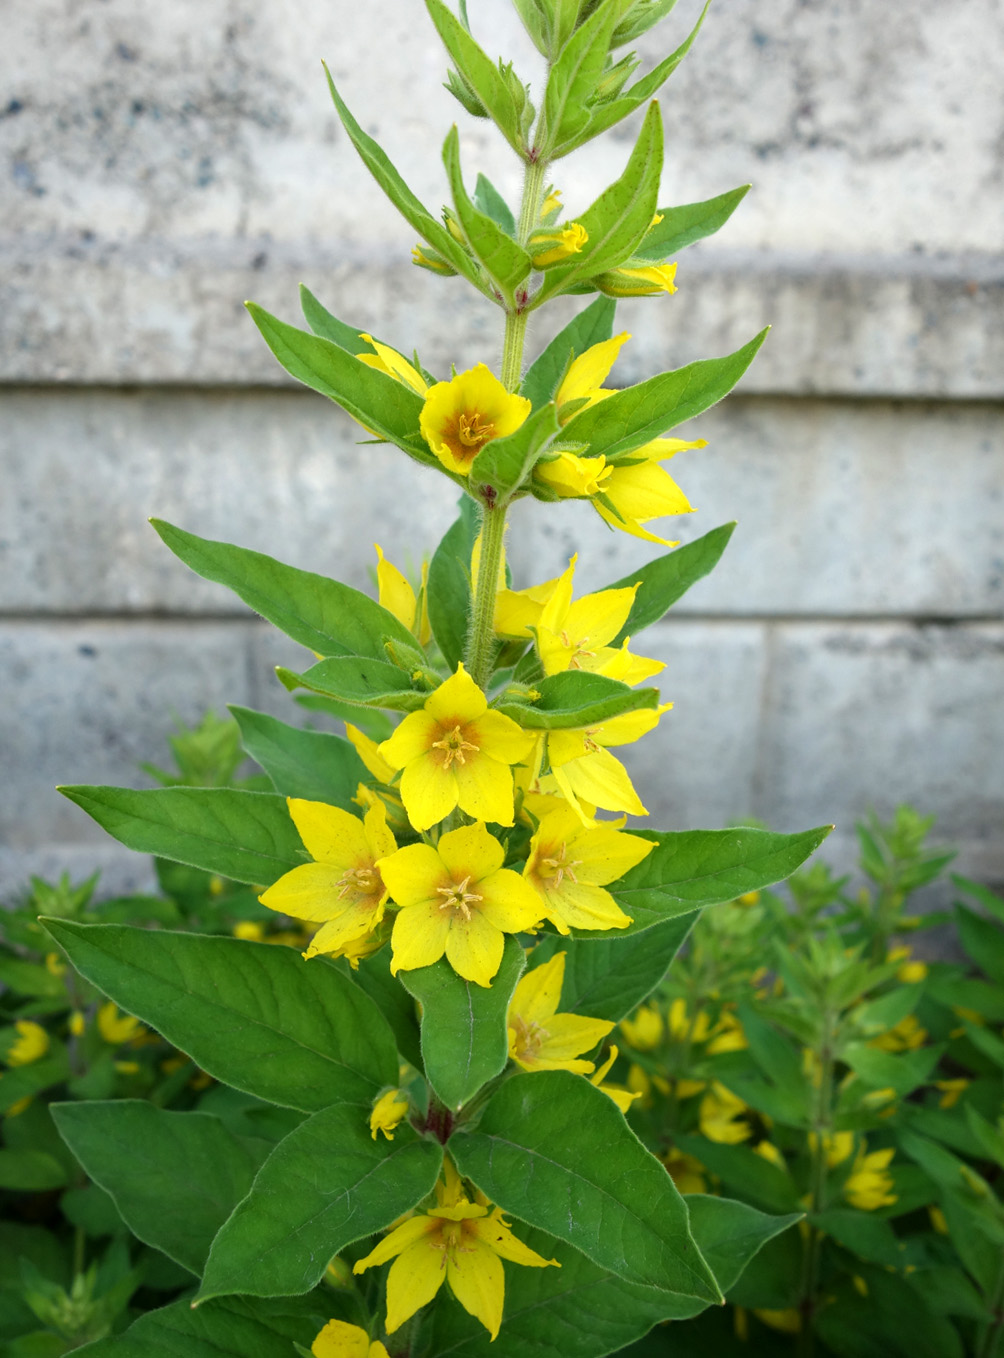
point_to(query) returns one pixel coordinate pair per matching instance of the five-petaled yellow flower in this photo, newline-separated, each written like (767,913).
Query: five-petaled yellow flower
(389,1111)
(539,1037)
(460,416)
(459,1242)
(570,863)
(583,768)
(457,899)
(342,889)
(339,1339)
(455,752)
(575,635)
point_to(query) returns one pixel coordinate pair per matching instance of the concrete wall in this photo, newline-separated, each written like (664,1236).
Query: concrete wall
(159,164)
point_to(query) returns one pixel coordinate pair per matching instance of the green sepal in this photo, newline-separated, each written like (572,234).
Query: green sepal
(618,220)
(639,20)
(681,226)
(253,1015)
(329,327)
(247,836)
(411,209)
(360,682)
(327,1184)
(174,1177)
(577,698)
(634,416)
(506,262)
(465,1042)
(592,325)
(314,765)
(488,200)
(689,869)
(449,584)
(662,582)
(503,465)
(483,76)
(237,1327)
(572,80)
(324,615)
(550,1140)
(464,95)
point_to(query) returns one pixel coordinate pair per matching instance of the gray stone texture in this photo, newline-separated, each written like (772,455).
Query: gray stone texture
(159,164)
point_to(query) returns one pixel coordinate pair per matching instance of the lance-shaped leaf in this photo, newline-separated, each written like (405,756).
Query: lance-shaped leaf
(328,1183)
(689,869)
(252,1015)
(358,681)
(607,114)
(488,200)
(329,327)
(24,1082)
(580,1311)
(449,585)
(411,209)
(573,77)
(591,326)
(904,1072)
(465,1042)
(681,226)
(631,417)
(324,615)
(234,1328)
(478,71)
(310,764)
(504,259)
(666,579)
(577,698)
(554,1151)
(398,1008)
(741,1170)
(617,221)
(244,835)
(640,20)
(505,464)
(605,977)
(983,940)
(175,1177)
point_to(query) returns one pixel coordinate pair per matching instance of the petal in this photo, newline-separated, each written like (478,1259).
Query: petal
(632,526)
(617,662)
(578,905)
(309,892)
(456,701)
(333,937)
(474,948)
(478,1282)
(401,1238)
(628,726)
(395,593)
(591,369)
(565,745)
(538,994)
(484,790)
(413,874)
(429,791)
(341,1340)
(420,936)
(412,737)
(556,608)
(497,1235)
(570,1035)
(369,753)
(599,617)
(470,852)
(414,1279)
(645,491)
(603,855)
(380,839)
(330,835)
(509,901)
(602,779)
(499,736)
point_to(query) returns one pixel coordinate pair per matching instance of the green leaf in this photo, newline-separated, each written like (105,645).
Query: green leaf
(488,200)
(577,698)
(681,226)
(741,1170)
(253,1015)
(580,1311)
(618,220)
(310,764)
(30,1171)
(662,582)
(987,898)
(411,209)
(881,1069)
(24,1082)
(449,585)
(247,836)
(506,463)
(892,1318)
(329,327)
(327,1184)
(640,20)
(324,615)
(591,326)
(607,977)
(961,991)
(479,72)
(398,1008)
(359,681)
(868,1236)
(983,940)
(30,978)
(175,1177)
(465,1042)
(631,417)
(504,259)
(554,1151)
(689,869)
(572,80)
(234,1328)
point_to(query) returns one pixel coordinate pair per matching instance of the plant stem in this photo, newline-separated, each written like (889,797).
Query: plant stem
(822,1123)
(990,1338)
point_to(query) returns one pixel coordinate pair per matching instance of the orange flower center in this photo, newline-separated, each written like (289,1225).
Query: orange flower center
(473,431)
(454,746)
(458,898)
(530,1037)
(359,881)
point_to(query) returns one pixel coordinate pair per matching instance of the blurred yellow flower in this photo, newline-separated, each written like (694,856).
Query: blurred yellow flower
(30,1043)
(460,416)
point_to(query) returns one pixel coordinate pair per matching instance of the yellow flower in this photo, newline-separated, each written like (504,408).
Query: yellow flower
(586,374)
(457,899)
(628,493)
(427,258)
(341,890)
(576,635)
(721,1116)
(398,597)
(622,1097)
(54,964)
(455,752)
(684,1028)
(938,1221)
(77,1023)
(517,610)
(457,1242)
(554,245)
(551,204)
(769,1152)
(249,929)
(369,752)
(748,898)
(904,1036)
(685,1170)
(30,1044)
(539,1037)
(389,1111)
(117,1028)
(912,972)
(644,1029)
(643,280)
(569,864)
(727,1036)
(339,1339)
(786,1322)
(583,767)
(837,1146)
(868,1186)
(951,1091)
(389,361)
(460,416)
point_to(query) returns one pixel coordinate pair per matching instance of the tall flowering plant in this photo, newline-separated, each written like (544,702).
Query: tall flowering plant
(414,1147)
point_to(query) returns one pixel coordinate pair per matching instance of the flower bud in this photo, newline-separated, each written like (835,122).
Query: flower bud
(427,258)
(643,280)
(556,245)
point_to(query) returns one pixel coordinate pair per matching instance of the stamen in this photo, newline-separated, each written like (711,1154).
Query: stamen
(459,898)
(559,868)
(453,746)
(472,432)
(358,880)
